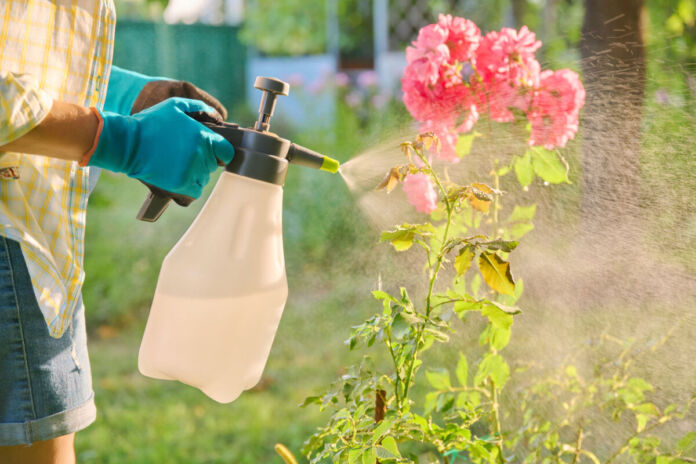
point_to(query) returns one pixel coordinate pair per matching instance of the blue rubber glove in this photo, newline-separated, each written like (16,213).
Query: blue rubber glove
(162,146)
(124,88)
(130,92)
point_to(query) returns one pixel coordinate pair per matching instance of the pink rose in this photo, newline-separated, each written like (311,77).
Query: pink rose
(509,71)
(443,102)
(463,36)
(429,102)
(420,192)
(506,52)
(555,108)
(431,37)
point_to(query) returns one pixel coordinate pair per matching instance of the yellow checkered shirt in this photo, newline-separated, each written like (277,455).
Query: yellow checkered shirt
(49,50)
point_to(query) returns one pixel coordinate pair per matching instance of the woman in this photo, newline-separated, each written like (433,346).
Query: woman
(66,112)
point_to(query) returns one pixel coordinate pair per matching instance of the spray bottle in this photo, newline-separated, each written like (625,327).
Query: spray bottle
(222,288)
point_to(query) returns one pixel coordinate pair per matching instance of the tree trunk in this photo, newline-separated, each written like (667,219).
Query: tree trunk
(613,61)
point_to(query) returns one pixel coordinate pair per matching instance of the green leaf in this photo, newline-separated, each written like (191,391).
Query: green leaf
(399,326)
(430,402)
(649,409)
(669,460)
(504,245)
(549,165)
(496,273)
(462,306)
(522,213)
(468,399)
(520,229)
(464,143)
(380,295)
(369,456)
(497,316)
(499,337)
(311,400)
(463,261)
(390,445)
(445,402)
(439,379)
(354,455)
(519,290)
(475,285)
(512,310)
(438,335)
(495,367)
(524,170)
(380,430)
(401,239)
(687,442)
(503,171)
(638,384)
(384,455)
(462,371)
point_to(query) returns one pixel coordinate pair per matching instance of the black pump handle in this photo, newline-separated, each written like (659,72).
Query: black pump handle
(158,199)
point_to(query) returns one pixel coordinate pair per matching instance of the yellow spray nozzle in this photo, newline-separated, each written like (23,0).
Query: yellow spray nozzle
(330,165)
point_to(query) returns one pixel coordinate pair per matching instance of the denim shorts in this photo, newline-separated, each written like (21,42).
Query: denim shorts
(45,382)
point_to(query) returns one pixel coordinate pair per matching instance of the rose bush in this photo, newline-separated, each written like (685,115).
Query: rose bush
(455,79)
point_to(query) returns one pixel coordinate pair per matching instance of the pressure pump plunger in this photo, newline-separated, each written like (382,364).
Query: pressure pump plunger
(259,153)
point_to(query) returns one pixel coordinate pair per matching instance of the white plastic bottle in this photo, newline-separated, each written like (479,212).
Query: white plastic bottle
(221,293)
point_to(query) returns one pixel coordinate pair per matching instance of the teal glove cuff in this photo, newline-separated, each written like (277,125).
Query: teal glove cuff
(124,88)
(162,146)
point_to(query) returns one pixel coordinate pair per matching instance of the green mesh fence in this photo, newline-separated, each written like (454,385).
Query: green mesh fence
(212,57)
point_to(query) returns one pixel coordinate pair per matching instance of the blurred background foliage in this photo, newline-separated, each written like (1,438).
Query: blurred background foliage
(331,252)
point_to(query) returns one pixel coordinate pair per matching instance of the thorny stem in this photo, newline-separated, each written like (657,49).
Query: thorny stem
(380,408)
(494,390)
(396,370)
(496,198)
(578,443)
(434,272)
(496,422)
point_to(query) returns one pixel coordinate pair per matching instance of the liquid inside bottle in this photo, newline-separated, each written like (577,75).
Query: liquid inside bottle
(221,293)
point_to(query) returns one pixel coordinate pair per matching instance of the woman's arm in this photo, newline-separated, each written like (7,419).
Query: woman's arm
(67,132)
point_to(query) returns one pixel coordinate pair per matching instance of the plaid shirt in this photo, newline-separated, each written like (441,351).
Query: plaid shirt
(49,50)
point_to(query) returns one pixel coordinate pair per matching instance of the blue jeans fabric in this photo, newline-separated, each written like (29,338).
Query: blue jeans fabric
(45,383)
